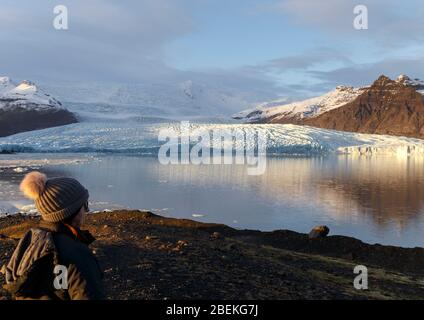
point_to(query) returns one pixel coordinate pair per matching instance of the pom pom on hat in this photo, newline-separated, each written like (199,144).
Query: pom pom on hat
(56,199)
(33,184)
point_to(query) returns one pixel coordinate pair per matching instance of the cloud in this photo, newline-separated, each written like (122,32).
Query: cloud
(364,74)
(127,41)
(311,58)
(113,39)
(294,75)
(391,23)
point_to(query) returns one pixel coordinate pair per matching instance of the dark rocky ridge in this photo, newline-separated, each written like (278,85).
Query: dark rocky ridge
(145,256)
(20,119)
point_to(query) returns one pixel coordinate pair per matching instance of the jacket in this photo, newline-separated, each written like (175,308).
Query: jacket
(31,272)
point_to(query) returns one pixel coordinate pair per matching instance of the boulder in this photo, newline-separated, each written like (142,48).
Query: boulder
(319,232)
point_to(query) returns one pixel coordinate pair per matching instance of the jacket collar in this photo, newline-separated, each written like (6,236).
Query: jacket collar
(63,228)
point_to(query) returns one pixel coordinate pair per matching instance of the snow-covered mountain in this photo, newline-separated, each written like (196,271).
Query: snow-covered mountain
(281,110)
(25,95)
(165,99)
(388,106)
(415,83)
(25,107)
(295,112)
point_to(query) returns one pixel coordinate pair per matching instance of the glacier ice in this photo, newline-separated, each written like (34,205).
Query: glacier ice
(134,137)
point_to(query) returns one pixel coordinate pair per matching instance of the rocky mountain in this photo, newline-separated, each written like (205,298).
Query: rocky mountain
(25,107)
(393,107)
(296,112)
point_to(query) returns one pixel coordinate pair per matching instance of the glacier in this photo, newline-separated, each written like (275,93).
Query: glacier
(142,138)
(174,98)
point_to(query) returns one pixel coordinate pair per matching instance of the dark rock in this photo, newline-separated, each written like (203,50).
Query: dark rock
(20,119)
(215,235)
(319,232)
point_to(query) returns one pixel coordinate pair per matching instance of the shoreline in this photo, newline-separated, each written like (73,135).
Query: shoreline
(32,214)
(147,256)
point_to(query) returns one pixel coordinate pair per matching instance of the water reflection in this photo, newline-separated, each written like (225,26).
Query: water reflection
(385,189)
(383,186)
(386,192)
(377,199)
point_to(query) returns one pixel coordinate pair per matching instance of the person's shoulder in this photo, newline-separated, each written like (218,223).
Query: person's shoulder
(70,249)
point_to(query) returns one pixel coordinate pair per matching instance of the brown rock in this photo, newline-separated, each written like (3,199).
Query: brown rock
(319,232)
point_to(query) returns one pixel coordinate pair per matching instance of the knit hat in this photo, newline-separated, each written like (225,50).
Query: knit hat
(55,199)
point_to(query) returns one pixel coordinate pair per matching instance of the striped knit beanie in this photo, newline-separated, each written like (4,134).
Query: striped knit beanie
(56,199)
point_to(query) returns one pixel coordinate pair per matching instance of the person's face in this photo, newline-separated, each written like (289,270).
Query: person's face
(85,209)
(80,217)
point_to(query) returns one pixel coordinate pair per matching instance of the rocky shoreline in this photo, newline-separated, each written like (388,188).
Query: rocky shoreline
(146,256)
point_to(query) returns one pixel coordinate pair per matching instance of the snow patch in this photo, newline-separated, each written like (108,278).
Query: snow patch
(415,83)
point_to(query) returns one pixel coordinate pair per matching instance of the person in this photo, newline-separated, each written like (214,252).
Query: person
(53,261)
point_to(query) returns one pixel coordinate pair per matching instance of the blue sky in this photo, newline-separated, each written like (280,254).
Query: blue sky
(293,48)
(237,33)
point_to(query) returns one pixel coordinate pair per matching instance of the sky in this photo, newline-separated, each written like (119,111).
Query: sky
(278,48)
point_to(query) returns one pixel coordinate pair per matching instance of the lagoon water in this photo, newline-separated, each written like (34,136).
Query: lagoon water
(376,199)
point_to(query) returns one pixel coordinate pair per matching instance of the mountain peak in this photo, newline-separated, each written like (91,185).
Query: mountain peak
(24,107)
(25,94)
(415,83)
(403,78)
(382,81)
(26,87)
(387,107)
(4,80)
